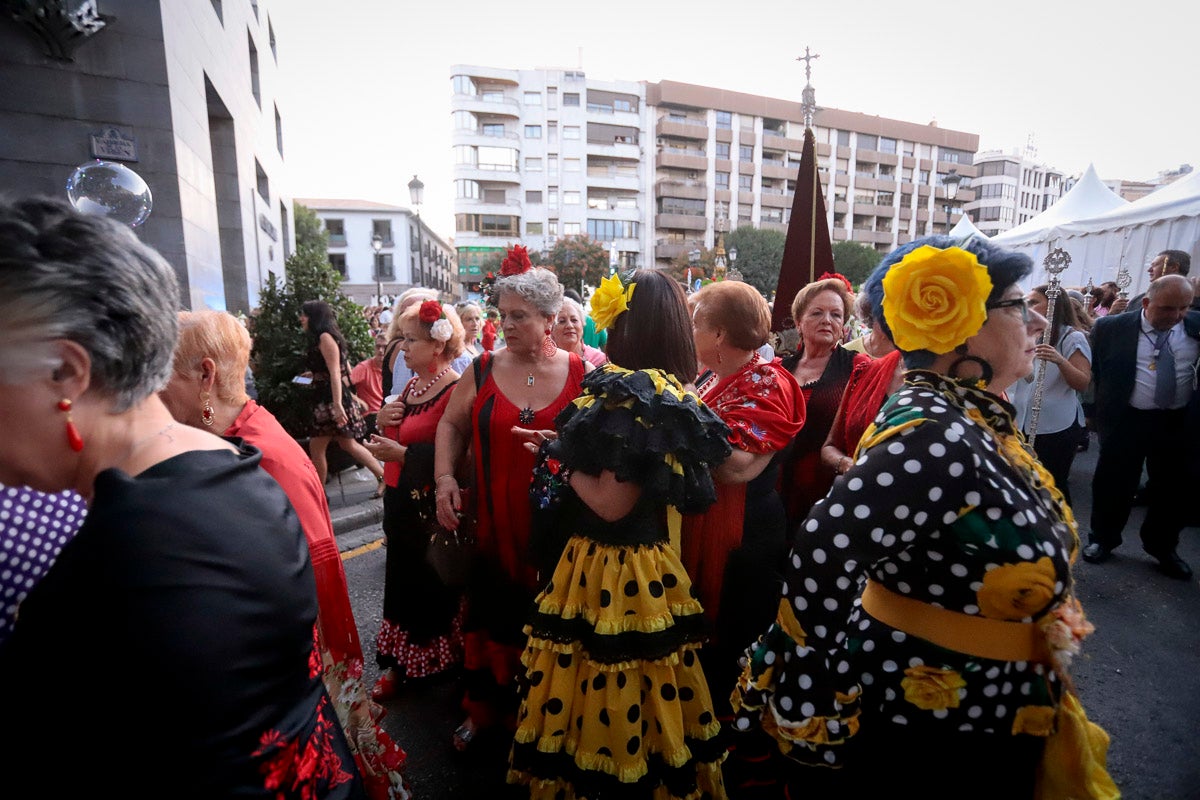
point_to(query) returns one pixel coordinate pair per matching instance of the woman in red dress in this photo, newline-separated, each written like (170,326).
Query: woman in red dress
(821,367)
(869,386)
(420,635)
(525,385)
(207,391)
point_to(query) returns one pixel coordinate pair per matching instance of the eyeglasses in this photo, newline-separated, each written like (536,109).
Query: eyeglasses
(1015,302)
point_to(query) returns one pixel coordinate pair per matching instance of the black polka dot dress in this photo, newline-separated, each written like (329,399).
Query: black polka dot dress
(944,506)
(615,702)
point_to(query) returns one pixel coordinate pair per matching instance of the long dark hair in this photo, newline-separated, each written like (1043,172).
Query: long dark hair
(321,319)
(656,331)
(1064,313)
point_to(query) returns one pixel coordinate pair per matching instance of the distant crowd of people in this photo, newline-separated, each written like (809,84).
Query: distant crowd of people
(664,553)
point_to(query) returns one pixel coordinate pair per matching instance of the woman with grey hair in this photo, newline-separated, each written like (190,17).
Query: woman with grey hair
(188,583)
(525,384)
(568,333)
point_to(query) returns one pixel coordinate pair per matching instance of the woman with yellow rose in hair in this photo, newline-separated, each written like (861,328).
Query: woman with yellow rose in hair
(927,616)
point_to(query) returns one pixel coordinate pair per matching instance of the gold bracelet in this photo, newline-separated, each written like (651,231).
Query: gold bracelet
(447,475)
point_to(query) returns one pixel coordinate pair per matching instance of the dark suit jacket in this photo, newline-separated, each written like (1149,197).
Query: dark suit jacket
(1114,359)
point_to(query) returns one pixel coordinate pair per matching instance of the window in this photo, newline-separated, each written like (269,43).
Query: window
(597,203)
(570,198)
(623,105)
(746,152)
(551,97)
(887,145)
(552,164)
(552,197)
(605,230)
(264,187)
(464,155)
(533,131)
(498,196)
(383,229)
(866,142)
(384,266)
(278,131)
(887,171)
(271,41)
(953,156)
(771,215)
(884,198)
(533,98)
(678,205)
(500,159)
(924,178)
(906,174)
(533,196)
(722,180)
(338,262)
(625,202)
(570,229)
(336,228)
(552,228)
(1007,168)
(746,183)
(570,132)
(533,228)
(571,165)
(723,150)
(533,164)
(724,120)
(843,138)
(466,190)
(463,85)
(493,129)
(254,70)
(570,99)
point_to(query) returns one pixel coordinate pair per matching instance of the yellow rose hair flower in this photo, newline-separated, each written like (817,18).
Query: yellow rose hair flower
(935,299)
(610,300)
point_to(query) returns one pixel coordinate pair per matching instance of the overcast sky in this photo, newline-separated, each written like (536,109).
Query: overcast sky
(366,94)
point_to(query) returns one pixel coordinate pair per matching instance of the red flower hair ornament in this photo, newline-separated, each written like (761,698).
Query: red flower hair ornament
(516,262)
(430,312)
(827,275)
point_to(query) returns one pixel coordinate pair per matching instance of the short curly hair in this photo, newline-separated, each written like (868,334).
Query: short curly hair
(537,286)
(736,307)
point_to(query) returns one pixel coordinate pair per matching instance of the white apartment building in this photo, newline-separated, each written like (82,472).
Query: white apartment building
(545,153)
(181,92)
(645,167)
(410,253)
(1010,189)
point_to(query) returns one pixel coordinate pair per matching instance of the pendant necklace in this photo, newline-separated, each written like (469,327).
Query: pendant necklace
(525,417)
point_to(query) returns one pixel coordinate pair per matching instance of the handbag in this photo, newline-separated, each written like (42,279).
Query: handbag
(450,553)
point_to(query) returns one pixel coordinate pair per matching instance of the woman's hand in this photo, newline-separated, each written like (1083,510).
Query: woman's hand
(340,417)
(390,415)
(1048,352)
(385,449)
(532,440)
(449,501)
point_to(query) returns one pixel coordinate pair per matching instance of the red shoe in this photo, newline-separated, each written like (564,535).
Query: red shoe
(386,687)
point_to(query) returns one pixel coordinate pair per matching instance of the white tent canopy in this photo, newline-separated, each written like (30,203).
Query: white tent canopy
(1089,197)
(1129,233)
(964,229)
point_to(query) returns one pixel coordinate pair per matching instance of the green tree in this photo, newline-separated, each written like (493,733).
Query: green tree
(760,254)
(855,261)
(703,268)
(576,260)
(279,342)
(310,231)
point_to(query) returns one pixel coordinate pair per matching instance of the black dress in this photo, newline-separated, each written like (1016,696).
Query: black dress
(169,652)
(323,423)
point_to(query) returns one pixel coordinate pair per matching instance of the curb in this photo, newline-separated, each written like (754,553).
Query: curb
(358,515)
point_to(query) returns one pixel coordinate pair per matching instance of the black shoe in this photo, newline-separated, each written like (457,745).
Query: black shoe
(1171,565)
(1096,553)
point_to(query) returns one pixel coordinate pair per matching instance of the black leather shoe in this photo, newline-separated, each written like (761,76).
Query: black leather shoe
(1096,553)
(1173,566)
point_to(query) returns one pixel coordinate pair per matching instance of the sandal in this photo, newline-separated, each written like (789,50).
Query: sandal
(463,735)
(379,489)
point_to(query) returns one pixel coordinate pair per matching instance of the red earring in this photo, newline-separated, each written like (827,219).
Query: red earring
(74,440)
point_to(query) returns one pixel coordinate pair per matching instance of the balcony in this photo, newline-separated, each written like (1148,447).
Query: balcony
(778,170)
(337,240)
(687,222)
(776,141)
(481,139)
(487,173)
(612,149)
(505,106)
(775,199)
(669,251)
(682,159)
(773,226)
(688,189)
(691,129)
(605,178)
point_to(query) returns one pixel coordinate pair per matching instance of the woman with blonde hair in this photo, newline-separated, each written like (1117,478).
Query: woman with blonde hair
(568,333)
(206,391)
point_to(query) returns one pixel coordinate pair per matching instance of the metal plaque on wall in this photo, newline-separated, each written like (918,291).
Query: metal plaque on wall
(114,145)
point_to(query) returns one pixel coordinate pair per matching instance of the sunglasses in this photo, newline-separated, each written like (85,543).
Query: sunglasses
(1015,302)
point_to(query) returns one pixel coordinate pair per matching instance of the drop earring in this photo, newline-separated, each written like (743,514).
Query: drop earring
(207,415)
(549,348)
(74,440)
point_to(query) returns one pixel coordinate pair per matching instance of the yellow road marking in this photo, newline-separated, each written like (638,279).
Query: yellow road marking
(366,548)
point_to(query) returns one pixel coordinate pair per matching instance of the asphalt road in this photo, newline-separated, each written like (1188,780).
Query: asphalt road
(1139,674)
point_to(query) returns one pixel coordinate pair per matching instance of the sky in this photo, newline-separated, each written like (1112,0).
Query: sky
(365,94)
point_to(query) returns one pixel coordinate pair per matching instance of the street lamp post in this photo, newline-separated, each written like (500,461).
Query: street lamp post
(734,273)
(693,262)
(722,225)
(416,192)
(377,245)
(951,182)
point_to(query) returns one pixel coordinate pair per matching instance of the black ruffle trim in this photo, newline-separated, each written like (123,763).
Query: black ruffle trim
(631,427)
(679,781)
(616,648)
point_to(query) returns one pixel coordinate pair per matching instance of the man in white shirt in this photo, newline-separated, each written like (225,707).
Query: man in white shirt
(1144,367)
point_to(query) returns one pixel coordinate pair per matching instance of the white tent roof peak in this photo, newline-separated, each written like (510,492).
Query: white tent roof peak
(965,229)
(1089,197)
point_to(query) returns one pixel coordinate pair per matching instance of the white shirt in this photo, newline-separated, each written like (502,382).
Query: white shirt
(1186,350)
(1060,403)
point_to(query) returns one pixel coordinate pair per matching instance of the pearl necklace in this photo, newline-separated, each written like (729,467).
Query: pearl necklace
(414,393)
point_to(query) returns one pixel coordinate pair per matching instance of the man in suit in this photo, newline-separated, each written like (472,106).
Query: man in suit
(1144,367)
(1168,262)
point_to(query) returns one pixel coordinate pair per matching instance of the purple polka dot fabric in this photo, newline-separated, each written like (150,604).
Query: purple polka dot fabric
(34,528)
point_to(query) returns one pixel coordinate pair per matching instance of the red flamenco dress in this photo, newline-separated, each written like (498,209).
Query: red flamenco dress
(504,578)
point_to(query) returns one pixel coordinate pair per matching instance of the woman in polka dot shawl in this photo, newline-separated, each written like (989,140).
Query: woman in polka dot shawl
(927,616)
(615,703)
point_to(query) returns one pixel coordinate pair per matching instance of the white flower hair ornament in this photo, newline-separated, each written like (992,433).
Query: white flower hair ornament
(441,331)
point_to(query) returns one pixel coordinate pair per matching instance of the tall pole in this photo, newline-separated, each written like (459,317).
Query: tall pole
(420,252)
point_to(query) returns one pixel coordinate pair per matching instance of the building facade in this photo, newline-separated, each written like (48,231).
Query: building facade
(1011,188)
(646,168)
(409,254)
(181,92)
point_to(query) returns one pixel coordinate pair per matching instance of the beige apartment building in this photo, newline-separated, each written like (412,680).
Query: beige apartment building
(1012,188)
(647,168)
